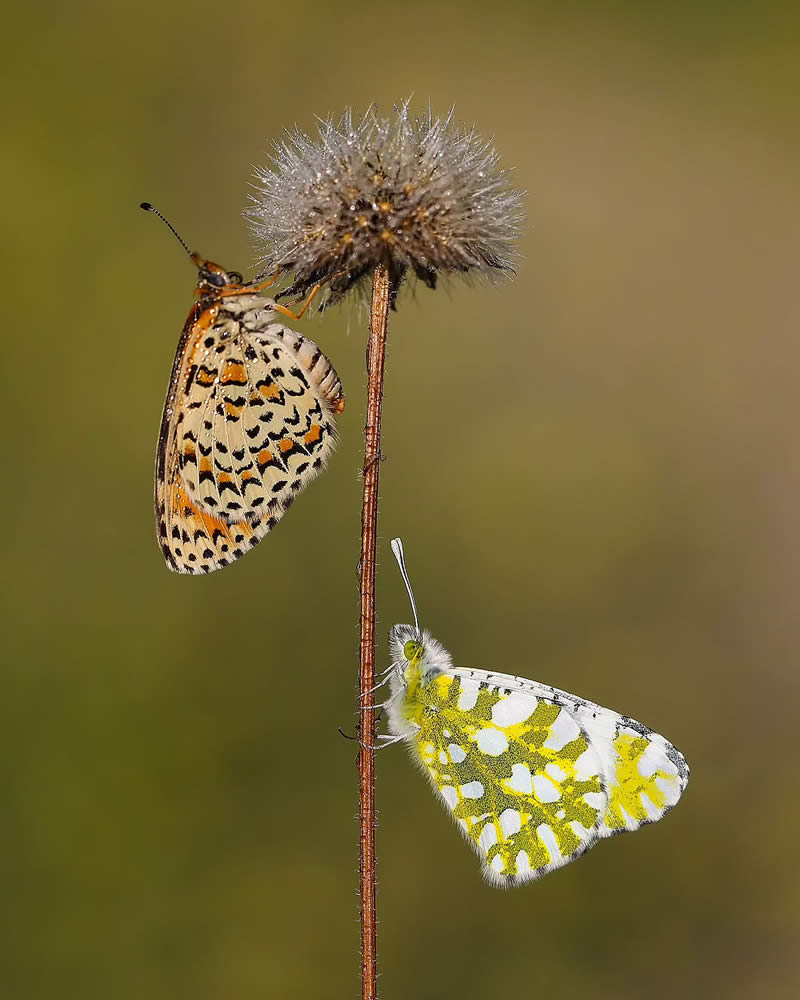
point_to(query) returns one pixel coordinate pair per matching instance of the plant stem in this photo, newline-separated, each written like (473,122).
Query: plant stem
(376,355)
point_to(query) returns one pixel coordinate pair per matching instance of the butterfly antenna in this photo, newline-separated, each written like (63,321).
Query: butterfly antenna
(151,208)
(397,549)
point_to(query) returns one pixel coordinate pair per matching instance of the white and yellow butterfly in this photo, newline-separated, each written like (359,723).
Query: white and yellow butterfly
(533,776)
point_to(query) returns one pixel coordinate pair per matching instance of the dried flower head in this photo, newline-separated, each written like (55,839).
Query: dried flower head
(419,194)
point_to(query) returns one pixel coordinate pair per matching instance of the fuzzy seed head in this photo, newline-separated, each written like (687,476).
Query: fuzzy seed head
(422,195)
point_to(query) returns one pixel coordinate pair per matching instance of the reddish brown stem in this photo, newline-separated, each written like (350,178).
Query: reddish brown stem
(376,355)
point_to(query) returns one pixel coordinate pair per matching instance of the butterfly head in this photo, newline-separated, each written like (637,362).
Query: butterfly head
(407,647)
(406,642)
(213,279)
(415,653)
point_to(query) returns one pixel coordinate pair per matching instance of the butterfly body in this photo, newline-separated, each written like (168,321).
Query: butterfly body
(248,421)
(533,776)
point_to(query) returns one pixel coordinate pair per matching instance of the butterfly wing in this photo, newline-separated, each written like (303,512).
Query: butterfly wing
(249,421)
(644,774)
(517,770)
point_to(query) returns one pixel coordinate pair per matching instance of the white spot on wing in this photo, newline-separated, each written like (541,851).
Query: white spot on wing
(596,800)
(510,822)
(544,789)
(586,765)
(629,821)
(492,742)
(513,709)
(472,790)
(450,795)
(580,830)
(671,789)
(555,772)
(650,761)
(468,694)
(520,780)
(653,812)
(497,863)
(457,754)
(548,838)
(523,863)
(488,837)
(564,730)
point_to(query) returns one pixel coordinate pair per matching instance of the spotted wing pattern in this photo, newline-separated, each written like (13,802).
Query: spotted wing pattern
(249,421)
(530,778)
(644,773)
(518,773)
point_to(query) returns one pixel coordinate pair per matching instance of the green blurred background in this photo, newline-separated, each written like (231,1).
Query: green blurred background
(594,469)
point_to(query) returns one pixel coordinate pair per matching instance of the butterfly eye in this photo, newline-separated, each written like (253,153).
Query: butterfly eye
(212,278)
(412,650)
(234,278)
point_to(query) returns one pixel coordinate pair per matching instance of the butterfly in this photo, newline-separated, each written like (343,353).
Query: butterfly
(533,776)
(249,420)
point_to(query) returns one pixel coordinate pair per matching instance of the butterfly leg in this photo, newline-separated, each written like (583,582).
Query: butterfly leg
(372,690)
(263,284)
(385,739)
(383,704)
(237,289)
(388,741)
(354,739)
(294,315)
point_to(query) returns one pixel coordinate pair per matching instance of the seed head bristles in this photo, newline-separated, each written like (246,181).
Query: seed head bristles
(418,194)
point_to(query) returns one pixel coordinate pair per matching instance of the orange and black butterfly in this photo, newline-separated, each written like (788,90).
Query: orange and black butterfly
(249,420)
